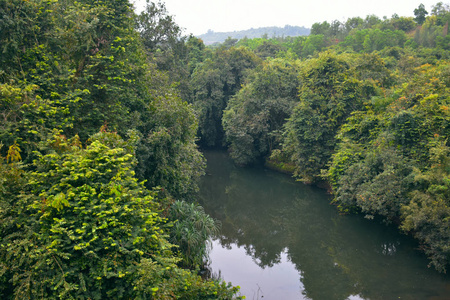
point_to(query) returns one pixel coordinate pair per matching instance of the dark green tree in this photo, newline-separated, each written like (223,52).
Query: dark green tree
(391,158)
(420,14)
(254,118)
(213,83)
(329,92)
(168,156)
(268,49)
(353,23)
(165,44)
(403,23)
(157,28)
(427,215)
(320,28)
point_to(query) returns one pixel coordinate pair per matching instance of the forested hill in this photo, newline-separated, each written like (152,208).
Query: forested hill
(212,37)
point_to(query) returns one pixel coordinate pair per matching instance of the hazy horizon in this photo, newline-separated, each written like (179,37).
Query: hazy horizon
(199,16)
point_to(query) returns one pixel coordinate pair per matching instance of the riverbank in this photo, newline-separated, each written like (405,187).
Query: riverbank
(273,226)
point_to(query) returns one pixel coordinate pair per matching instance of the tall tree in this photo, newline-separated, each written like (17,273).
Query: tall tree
(213,83)
(420,14)
(254,118)
(329,92)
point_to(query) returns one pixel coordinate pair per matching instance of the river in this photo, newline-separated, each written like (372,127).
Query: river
(282,240)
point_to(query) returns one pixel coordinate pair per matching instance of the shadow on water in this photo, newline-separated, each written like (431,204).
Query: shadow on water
(281,239)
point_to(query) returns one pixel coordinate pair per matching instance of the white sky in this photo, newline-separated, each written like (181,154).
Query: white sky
(197,16)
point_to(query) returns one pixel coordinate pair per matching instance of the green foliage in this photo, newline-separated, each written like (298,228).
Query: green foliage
(268,49)
(405,24)
(75,222)
(12,182)
(81,226)
(369,40)
(320,28)
(312,45)
(372,69)
(166,46)
(196,52)
(86,69)
(164,280)
(168,156)
(254,118)
(76,61)
(191,232)
(432,32)
(213,83)
(377,184)
(28,118)
(420,14)
(329,92)
(373,94)
(157,28)
(84,223)
(386,158)
(428,212)
(442,12)
(13,153)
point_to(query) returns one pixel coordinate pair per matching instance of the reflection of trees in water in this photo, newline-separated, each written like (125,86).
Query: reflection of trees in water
(336,256)
(255,223)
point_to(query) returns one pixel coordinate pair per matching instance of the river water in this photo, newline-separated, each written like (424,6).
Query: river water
(282,240)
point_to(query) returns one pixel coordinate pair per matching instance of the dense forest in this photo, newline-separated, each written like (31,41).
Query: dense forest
(99,156)
(359,107)
(104,111)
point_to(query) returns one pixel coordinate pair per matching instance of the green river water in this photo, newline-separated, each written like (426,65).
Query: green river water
(282,240)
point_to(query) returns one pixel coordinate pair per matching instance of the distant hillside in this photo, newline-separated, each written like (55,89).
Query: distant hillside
(212,37)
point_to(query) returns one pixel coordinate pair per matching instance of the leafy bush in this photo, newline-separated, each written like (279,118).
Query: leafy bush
(254,118)
(191,232)
(82,226)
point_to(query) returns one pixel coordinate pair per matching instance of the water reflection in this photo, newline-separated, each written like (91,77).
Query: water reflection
(282,240)
(269,282)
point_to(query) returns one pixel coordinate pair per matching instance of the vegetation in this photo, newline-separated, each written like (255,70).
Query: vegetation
(361,107)
(102,111)
(96,145)
(254,118)
(213,83)
(214,38)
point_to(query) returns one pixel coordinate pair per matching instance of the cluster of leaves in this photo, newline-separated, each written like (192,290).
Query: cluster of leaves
(82,226)
(86,69)
(217,74)
(329,92)
(383,154)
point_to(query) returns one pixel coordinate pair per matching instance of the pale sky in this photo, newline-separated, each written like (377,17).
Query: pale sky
(197,16)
